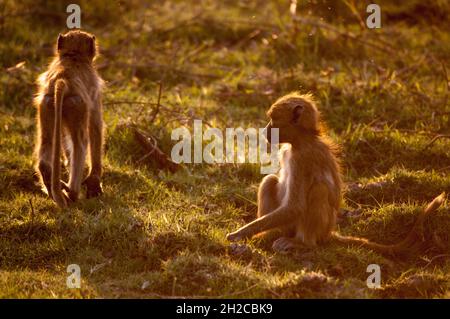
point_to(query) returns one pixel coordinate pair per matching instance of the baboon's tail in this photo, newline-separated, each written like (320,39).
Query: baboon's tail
(57,194)
(411,243)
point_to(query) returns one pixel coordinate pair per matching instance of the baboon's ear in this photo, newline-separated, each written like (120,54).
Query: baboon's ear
(60,42)
(92,46)
(296,113)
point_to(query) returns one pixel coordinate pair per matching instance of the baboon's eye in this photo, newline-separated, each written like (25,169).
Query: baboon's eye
(60,42)
(92,45)
(274,121)
(296,113)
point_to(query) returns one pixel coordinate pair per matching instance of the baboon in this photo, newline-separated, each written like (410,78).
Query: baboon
(70,113)
(303,199)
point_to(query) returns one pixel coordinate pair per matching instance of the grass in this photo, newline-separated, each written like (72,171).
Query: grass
(384,94)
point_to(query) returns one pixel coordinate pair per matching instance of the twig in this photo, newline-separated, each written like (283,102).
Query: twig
(168,68)
(434,139)
(345,34)
(240,292)
(174,282)
(162,107)
(434,258)
(183,23)
(128,102)
(416,64)
(435,114)
(248,38)
(32,216)
(370,146)
(443,169)
(438,242)
(155,145)
(447,82)
(34,12)
(246,199)
(406,131)
(183,117)
(156,110)
(274,293)
(194,52)
(354,11)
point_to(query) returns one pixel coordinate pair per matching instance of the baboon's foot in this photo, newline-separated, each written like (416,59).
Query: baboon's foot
(93,186)
(285,245)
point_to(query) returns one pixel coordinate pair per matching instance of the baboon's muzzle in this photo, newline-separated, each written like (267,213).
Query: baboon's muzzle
(267,133)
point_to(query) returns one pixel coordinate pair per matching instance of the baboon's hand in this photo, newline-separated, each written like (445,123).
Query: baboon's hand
(283,245)
(93,185)
(70,195)
(67,198)
(64,186)
(62,201)
(236,236)
(48,185)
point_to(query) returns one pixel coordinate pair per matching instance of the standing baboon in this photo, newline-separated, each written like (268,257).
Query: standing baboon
(70,112)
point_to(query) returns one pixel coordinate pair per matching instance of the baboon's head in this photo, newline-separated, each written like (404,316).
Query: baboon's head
(76,44)
(295,115)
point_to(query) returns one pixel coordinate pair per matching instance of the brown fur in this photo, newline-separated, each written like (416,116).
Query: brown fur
(303,199)
(70,113)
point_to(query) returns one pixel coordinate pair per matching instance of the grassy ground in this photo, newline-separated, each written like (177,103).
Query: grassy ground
(384,94)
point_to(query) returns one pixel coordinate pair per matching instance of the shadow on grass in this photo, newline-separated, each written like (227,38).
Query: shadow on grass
(51,237)
(385,152)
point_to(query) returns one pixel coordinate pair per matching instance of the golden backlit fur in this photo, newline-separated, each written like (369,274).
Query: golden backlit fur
(70,113)
(303,199)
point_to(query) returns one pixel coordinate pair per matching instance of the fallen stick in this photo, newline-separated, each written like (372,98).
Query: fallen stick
(152,150)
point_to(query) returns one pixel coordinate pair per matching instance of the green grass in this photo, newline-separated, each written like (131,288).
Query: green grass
(153,234)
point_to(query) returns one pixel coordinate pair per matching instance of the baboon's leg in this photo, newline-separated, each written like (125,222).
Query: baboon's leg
(44,143)
(75,118)
(93,182)
(77,160)
(280,217)
(68,147)
(313,229)
(268,195)
(268,200)
(321,220)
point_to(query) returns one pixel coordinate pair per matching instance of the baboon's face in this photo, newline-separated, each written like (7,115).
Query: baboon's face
(293,115)
(76,44)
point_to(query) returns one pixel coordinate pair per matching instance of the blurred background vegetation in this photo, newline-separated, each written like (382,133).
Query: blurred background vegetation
(383,93)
